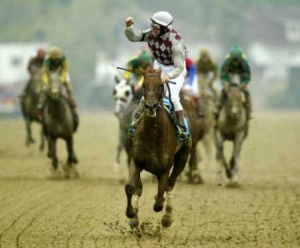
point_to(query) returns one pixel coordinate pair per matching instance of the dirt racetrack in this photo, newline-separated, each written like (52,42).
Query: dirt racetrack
(36,211)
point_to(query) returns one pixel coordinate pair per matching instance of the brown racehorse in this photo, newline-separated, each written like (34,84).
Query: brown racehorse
(198,129)
(232,125)
(156,150)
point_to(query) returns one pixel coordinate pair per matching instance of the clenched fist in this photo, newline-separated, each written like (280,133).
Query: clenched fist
(129,21)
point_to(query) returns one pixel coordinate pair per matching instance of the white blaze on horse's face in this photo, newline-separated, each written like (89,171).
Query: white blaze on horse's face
(123,96)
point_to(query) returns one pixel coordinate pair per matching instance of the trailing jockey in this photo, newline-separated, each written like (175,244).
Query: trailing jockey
(57,62)
(236,64)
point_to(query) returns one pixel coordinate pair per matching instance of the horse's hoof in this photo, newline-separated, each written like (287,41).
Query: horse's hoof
(158,207)
(67,176)
(134,222)
(74,160)
(233,184)
(130,212)
(74,172)
(166,221)
(228,174)
(55,174)
(197,179)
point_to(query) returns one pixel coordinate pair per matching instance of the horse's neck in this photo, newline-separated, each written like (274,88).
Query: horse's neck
(226,119)
(154,127)
(57,108)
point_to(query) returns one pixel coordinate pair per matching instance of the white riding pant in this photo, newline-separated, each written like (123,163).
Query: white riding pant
(174,88)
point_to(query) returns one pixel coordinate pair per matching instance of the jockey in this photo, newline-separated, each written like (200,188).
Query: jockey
(134,75)
(207,71)
(35,62)
(236,64)
(191,85)
(169,52)
(57,62)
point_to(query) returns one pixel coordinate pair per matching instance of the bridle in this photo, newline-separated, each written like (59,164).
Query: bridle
(151,110)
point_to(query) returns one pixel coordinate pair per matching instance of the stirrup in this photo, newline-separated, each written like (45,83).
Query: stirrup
(132,130)
(182,134)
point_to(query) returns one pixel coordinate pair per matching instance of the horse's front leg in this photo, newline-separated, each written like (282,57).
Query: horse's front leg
(180,161)
(162,183)
(72,159)
(237,146)
(42,145)
(221,161)
(118,153)
(194,175)
(133,186)
(52,145)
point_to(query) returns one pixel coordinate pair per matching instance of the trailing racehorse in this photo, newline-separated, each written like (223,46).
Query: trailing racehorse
(155,149)
(123,94)
(198,128)
(59,123)
(29,102)
(232,125)
(207,97)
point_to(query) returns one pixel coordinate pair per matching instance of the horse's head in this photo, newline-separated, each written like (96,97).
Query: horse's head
(235,100)
(55,86)
(123,94)
(153,91)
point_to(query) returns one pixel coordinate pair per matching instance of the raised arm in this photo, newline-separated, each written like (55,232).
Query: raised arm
(131,33)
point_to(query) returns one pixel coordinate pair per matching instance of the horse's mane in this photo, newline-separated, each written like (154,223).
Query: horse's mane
(151,72)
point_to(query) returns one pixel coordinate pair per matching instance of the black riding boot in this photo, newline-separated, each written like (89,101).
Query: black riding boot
(182,127)
(135,118)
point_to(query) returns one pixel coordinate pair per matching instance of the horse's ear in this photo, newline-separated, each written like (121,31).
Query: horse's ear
(117,80)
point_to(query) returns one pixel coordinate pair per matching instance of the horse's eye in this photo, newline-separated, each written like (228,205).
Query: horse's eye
(114,92)
(127,93)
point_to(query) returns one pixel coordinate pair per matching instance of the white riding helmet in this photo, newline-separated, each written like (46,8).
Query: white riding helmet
(163,18)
